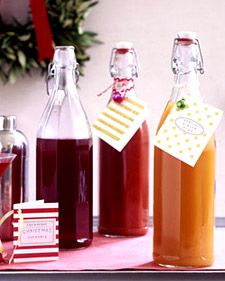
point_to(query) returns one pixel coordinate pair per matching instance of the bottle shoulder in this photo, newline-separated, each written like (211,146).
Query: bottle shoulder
(64,117)
(165,113)
(14,136)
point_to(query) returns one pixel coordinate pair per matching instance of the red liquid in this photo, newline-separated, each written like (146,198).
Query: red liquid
(124,186)
(19,180)
(3,166)
(64,175)
(13,187)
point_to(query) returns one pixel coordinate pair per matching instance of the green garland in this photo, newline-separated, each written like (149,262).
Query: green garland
(18,47)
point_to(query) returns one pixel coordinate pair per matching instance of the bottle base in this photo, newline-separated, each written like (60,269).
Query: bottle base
(184,263)
(77,244)
(122,232)
(180,266)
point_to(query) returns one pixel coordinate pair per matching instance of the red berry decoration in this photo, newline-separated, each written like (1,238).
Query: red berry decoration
(117,97)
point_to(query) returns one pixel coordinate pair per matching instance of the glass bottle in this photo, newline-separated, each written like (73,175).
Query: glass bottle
(64,153)
(124,176)
(184,195)
(13,185)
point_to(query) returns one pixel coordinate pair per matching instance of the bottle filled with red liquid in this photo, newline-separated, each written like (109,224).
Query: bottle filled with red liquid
(64,153)
(13,183)
(124,176)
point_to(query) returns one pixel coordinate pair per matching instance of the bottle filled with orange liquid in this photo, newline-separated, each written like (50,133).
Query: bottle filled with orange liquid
(124,176)
(184,195)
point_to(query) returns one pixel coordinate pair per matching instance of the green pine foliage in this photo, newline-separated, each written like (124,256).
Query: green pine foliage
(18,47)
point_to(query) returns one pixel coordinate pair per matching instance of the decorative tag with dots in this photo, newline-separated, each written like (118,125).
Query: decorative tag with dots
(187,129)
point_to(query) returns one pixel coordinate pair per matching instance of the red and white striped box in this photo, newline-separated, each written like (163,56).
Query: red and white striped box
(35,232)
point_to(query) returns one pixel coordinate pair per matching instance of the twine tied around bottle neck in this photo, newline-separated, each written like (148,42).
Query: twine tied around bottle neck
(120,87)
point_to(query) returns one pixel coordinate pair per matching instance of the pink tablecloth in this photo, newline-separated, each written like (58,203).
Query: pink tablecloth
(115,254)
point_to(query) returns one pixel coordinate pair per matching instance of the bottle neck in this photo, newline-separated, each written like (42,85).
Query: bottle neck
(65,79)
(186,84)
(122,88)
(123,68)
(186,62)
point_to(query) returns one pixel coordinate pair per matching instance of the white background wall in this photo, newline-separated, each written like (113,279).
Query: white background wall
(151,25)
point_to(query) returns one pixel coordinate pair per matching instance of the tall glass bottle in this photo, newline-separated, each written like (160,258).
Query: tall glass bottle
(13,185)
(124,176)
(64,154)
(184,195)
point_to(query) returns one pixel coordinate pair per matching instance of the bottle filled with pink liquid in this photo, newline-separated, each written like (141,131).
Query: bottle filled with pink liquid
(64,153)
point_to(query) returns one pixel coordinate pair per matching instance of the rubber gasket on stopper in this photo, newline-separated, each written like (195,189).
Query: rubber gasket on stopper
(123,47)
(186,36)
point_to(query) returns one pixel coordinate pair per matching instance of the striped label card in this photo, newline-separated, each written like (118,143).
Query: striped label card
(35,232)
(118,122)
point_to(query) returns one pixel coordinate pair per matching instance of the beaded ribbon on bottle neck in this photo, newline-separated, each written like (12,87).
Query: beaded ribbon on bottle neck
(121,87)
(123,68)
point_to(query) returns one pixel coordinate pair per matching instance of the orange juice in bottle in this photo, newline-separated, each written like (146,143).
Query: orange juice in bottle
(184,195)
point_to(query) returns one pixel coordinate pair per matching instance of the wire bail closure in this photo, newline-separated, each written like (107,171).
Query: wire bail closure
(52,74)
(174,60)
(113,67)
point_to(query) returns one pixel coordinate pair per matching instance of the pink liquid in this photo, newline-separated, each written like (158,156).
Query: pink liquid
(64,175)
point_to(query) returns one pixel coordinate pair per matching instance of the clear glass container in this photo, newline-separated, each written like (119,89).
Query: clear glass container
(124,176)
(64,153)
(184,195)
(13,184)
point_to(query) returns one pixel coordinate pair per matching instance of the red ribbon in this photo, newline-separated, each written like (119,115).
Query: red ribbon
(42,29)
(119,95)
